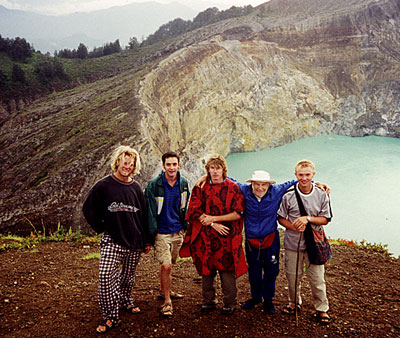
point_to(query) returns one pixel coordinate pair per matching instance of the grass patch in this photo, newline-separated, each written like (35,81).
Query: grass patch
(61,234)
(374,247)
(12,238)
(183,259)
(92,255)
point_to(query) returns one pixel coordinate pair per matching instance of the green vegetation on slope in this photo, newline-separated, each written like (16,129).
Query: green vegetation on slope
(43,74)
(35,74)
(9,242)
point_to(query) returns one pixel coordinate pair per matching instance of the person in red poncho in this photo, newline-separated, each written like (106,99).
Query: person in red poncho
(214,235)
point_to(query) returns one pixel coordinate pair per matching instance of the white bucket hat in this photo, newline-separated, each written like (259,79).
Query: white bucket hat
(261,176)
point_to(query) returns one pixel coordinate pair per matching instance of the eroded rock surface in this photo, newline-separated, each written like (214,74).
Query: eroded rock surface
(291,69)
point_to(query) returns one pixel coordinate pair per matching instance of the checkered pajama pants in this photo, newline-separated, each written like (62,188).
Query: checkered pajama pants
(117,268)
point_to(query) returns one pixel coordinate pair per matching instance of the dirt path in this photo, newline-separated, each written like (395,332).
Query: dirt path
(51,292)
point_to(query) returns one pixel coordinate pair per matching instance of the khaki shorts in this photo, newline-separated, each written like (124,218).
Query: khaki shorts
(167,247)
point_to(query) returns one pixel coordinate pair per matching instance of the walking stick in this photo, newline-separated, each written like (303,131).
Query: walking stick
(295,283)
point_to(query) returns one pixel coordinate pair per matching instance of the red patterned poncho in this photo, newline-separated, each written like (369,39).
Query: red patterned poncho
(209,250)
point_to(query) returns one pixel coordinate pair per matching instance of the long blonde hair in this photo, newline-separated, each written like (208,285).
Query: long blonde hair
(119,154)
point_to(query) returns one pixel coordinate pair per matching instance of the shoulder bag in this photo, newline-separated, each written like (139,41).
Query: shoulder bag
(317,244)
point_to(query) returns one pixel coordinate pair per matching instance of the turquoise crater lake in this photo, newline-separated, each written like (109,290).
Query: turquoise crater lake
(363,173)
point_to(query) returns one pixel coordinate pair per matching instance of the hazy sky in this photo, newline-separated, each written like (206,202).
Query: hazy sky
(58,7)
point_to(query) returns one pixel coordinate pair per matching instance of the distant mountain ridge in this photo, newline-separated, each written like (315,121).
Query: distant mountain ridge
(50,33)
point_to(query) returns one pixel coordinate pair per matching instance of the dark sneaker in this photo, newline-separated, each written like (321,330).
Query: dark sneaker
(269,307)
(227,311)
(250,303)
(207,308)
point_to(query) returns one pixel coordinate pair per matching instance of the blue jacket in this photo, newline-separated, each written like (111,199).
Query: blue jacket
(260,217)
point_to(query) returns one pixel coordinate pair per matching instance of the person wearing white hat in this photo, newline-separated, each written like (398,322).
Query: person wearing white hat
(262,245)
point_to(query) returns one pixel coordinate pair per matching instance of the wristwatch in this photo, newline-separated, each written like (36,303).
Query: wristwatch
(309,218)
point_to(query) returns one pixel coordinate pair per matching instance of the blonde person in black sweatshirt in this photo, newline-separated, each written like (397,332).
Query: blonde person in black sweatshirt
(116,206)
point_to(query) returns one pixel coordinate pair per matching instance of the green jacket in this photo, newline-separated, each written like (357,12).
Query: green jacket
(154,194)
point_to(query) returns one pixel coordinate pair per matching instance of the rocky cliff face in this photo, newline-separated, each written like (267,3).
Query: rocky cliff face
(274,78)
(290,70)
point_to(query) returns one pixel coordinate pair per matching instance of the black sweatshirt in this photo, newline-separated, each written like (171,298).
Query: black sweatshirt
(119,209)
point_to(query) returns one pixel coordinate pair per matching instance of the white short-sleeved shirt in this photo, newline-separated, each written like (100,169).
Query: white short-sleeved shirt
(316,203)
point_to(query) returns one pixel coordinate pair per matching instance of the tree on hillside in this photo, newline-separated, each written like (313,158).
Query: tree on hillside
(4,44)
(133,43)
(20,49)
(168,30)
(59,69)
(206,17)
(82,51)
(178,26)
(45,71)
(66,53)
(235,12)
(18,75)
(112,47)
(96,52)
(3,80)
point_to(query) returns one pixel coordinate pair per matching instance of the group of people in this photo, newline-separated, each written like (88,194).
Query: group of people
(206,225)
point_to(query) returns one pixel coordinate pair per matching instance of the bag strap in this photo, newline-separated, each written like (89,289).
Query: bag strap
(308,233)
(300,203)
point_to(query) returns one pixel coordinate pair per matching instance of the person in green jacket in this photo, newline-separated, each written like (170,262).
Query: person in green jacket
(167,197)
